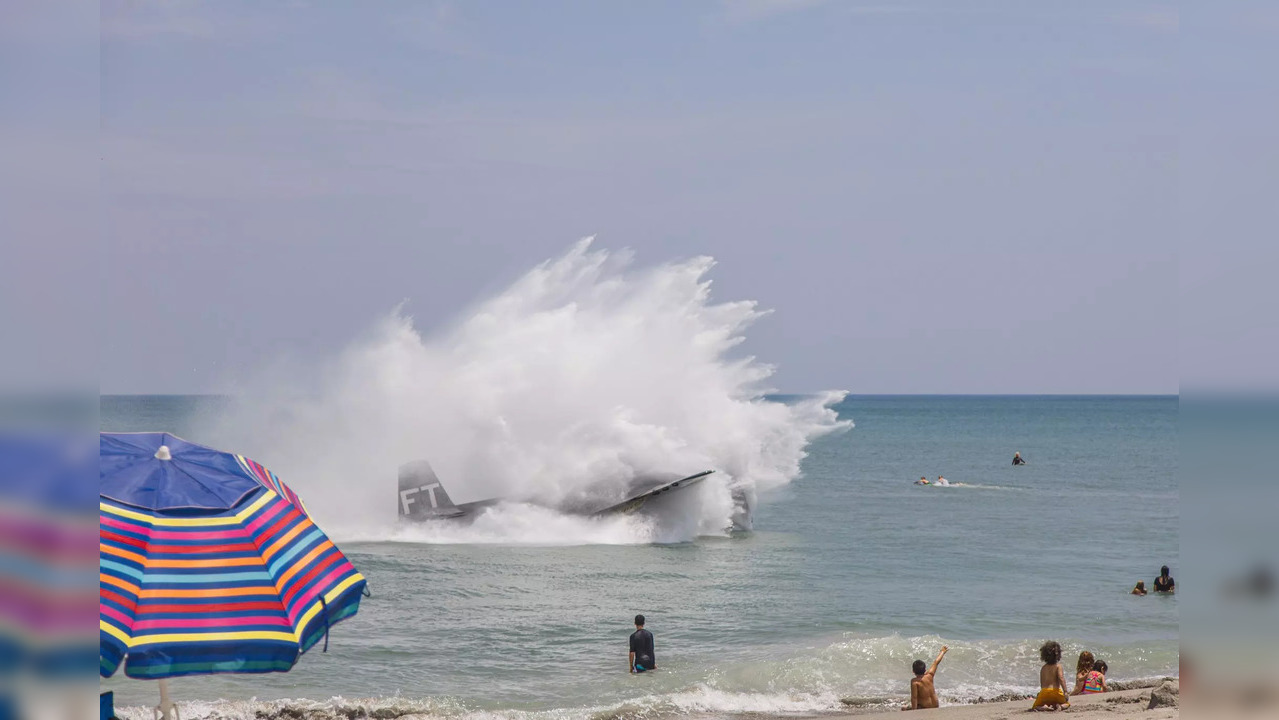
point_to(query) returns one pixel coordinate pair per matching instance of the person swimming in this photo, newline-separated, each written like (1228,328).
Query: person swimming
(942,481)
(922,480)
(1017,459)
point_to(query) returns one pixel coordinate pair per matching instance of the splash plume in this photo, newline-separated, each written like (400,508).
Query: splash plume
(585,371)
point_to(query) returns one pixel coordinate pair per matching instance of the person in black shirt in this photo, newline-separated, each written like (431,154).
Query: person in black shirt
(1018,459)
(642,657)
(1164,583)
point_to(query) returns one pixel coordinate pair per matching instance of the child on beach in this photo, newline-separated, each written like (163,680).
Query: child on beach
(922,692)
(1096,680)
(1052,683)
(1083,666)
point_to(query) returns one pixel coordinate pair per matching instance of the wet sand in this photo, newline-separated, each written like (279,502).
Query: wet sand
(1131,703)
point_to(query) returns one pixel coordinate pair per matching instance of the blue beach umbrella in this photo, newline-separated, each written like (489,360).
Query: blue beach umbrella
(209,564)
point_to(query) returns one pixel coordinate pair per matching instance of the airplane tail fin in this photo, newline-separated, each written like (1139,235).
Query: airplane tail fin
(421,494)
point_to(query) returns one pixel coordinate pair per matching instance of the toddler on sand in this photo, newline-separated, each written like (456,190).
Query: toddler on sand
(1052,683)
(1082,667)
(923,694)
(1096,680)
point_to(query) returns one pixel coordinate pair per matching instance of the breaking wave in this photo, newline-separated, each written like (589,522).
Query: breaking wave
(585,371)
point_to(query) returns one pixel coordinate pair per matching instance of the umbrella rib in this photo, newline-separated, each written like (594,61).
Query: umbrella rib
(203,486)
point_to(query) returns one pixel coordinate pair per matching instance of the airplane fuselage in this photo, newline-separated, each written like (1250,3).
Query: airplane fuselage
(422,496)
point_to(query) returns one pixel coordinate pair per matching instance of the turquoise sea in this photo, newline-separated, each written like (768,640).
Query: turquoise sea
(850,573)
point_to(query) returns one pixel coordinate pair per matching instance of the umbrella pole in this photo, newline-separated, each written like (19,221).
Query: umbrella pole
(166,710)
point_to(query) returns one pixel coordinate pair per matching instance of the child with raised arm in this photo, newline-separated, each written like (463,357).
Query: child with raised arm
(922,693)
(1052,683)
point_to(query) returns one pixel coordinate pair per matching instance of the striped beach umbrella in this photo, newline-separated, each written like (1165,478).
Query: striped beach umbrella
(209,564)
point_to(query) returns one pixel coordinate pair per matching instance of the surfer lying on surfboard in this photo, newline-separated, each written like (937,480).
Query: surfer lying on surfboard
(939,482)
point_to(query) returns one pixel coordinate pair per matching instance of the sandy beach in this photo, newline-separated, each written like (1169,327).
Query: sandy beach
(1133,703)
(1120,704)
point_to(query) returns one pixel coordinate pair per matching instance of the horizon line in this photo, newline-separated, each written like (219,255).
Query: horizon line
(797,394)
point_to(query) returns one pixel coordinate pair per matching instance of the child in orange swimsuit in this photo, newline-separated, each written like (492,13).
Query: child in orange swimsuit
(1052,683)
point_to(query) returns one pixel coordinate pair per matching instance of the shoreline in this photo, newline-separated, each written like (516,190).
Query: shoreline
(1131,701)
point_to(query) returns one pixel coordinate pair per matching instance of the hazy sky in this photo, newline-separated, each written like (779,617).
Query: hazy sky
(952,196)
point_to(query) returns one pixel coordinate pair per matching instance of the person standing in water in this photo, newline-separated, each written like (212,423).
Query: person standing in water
(1164,583)
(922,692)
(1017,459)
(643,657)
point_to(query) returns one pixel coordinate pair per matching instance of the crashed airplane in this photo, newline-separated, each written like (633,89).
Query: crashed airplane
(423,497)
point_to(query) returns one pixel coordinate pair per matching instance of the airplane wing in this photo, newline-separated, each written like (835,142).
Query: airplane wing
(633,503)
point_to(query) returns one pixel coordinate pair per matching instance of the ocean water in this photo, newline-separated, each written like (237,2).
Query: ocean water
(850,572)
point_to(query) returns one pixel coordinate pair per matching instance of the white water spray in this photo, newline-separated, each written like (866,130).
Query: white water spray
(585,371)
